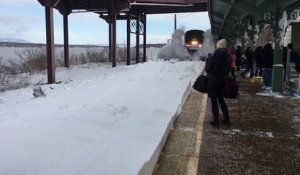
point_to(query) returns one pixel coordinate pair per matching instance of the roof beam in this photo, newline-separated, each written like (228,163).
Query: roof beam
(258,2)
(226,14)
(294,5)
(244,7)
(286,3)
(49,3)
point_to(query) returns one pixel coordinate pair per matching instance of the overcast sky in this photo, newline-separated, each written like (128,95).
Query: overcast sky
(25,19)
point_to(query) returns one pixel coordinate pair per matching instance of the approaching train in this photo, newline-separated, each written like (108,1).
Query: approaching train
(193,39)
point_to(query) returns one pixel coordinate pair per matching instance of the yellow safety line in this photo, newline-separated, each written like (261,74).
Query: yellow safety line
(193,162)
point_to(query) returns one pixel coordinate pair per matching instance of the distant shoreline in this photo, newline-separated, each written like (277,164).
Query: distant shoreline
(16,44)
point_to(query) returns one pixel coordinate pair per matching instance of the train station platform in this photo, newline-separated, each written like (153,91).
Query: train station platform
(263,137)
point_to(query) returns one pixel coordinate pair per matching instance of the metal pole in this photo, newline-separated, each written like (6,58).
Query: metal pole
(277,74)
(50,44)
(114,39)
(137,53)
(145,38)
(128,39)
(109,40)
(66,41)
(175,22)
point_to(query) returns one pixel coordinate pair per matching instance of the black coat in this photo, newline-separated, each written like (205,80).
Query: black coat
(249,57)
(258,55)
(268,57)
(217,69)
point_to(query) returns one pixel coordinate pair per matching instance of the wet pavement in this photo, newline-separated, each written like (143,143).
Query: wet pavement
(180,154)
(263,137)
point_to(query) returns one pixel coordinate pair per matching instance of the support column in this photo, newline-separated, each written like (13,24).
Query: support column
(145,39)
(112,39)
(277,72)
(50,44)
(128,39)
(66,41)
(137,38)
(175,22)
(109,40)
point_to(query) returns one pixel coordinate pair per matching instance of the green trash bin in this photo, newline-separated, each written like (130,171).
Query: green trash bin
(277,78)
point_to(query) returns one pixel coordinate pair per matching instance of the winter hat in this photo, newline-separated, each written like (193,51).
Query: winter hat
(222,43)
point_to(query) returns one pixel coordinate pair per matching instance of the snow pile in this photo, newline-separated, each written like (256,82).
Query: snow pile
(98,120)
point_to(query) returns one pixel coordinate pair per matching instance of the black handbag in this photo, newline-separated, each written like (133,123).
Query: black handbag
(200,84)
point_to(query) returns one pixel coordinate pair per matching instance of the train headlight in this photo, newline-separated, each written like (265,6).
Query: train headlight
(194,42)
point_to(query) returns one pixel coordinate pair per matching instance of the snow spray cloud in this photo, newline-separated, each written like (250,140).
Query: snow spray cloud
(208,46)
(176,49)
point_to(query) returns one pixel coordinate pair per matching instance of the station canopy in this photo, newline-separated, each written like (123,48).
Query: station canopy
(228,16)
(134,6)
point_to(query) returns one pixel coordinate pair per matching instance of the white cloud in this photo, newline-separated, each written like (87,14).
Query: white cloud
(12,26)
(18,2)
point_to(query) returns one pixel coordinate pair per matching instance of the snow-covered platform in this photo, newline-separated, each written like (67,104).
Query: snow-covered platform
(97,120)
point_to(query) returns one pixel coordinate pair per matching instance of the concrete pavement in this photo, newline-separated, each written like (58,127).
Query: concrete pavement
(263,137)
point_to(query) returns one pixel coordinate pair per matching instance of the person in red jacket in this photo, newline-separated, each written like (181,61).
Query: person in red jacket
(232,55)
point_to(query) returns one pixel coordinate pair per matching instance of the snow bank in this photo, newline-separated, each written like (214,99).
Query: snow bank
(98,120)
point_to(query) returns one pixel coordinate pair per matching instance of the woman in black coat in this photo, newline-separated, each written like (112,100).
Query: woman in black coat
(217,69)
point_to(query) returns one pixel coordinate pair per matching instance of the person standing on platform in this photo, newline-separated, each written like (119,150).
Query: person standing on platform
(217,69)
(232,55)
(258,55)
(238,58)
(267,64)
(249,62)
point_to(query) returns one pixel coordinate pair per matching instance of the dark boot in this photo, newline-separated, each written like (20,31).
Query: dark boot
(226,120)
(214,123)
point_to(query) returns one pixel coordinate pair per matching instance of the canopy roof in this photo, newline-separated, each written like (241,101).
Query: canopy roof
(228,16)
(117,6)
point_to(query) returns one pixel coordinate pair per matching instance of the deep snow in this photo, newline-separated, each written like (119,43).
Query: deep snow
(97,120)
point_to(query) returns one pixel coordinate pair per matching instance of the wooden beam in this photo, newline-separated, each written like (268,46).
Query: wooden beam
(145,38)
(137,38)
(244,7)
(49,3)
(66,41)
(112,39)
(50,44)
(128,39)
(55,2)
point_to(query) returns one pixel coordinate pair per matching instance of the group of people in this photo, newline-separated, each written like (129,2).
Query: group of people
(263,59)
(224,62)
